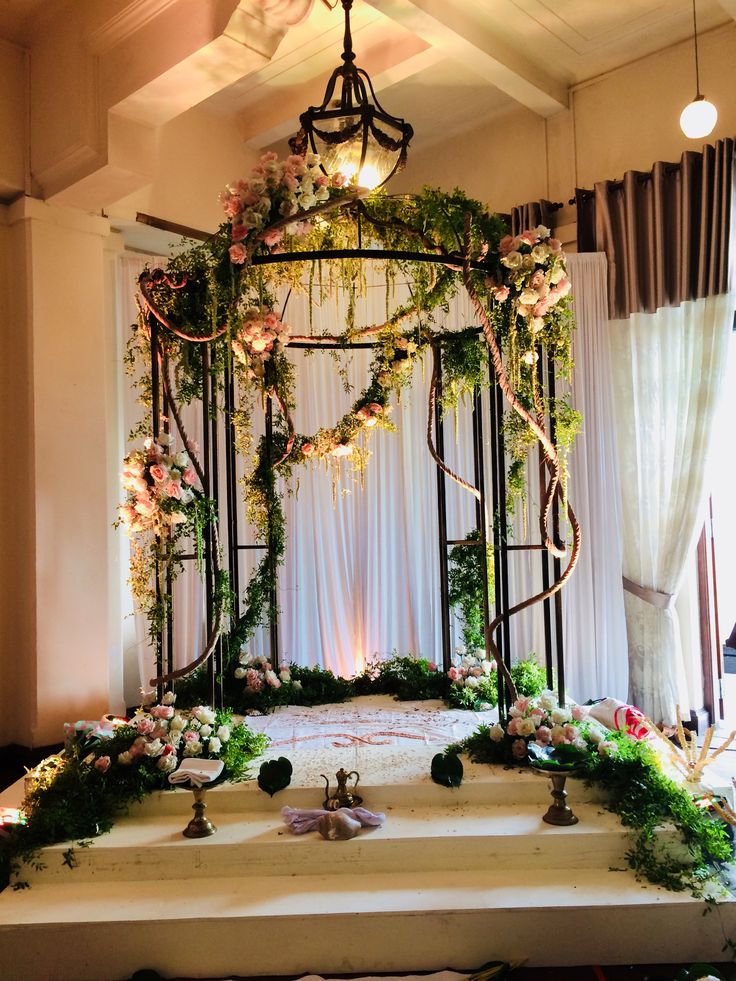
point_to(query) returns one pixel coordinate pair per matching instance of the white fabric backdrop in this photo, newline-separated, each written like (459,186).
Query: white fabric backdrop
(361,574)
(668,370)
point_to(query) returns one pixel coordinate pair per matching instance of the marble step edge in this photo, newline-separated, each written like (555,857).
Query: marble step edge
(315,896)
(247,848)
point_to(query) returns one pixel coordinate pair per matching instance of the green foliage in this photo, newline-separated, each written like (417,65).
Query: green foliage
(447,769)
(529,677)
(406,677)
(465,581)
(275,775)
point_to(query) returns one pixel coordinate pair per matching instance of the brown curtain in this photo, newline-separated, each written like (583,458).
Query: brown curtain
(665,232)
(530,215)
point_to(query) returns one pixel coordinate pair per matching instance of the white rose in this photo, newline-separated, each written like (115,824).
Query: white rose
(125,759)
(154,748)
(298,685)
(223,733)
(169,698)
(214,745)
(487,667)
(540,253)
(480,653)
(204,714)
(512,260)
(526,727)
(595,735)
(168,762)
(497,733)
(240,673)
(547,700)
(560,715)
(285,675)
(514,712)
(471,681)
(177,723)
(193,748)
(529,297)
(607,748)
(557,274)
(205,731)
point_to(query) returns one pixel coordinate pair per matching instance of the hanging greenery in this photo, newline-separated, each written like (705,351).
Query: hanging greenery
(218,300)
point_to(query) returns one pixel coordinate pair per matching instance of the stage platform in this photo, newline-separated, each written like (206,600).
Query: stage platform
(454,878)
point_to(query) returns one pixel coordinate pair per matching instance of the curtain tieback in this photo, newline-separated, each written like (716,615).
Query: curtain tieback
(663,601)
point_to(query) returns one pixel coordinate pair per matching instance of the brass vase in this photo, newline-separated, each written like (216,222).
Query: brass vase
(559,812)
(199,826)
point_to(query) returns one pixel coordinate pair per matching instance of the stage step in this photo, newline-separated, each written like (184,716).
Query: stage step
(269,925)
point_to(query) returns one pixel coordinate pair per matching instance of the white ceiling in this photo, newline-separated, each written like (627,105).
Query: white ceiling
(441,64)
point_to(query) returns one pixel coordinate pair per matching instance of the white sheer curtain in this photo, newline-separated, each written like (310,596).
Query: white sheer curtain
(668,372)
(361,573)
(596,660)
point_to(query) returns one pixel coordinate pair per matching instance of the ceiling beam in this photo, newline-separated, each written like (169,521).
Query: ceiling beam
(275,116)
(459,34)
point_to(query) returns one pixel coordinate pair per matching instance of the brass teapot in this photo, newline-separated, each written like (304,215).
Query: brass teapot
(343,796)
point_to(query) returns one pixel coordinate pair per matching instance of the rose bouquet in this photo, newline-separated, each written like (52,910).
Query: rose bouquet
(473,682)
(161,486)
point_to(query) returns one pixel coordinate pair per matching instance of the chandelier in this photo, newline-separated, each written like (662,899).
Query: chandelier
(351,131)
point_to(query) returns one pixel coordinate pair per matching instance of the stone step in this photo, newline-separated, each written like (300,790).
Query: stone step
(326,924)
(257,843)
(387,779)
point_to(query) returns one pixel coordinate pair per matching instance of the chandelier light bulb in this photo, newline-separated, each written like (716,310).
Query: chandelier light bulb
(698,119)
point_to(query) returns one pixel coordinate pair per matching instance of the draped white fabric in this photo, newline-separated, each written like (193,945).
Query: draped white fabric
(668,373)
(361,573)
(596,661)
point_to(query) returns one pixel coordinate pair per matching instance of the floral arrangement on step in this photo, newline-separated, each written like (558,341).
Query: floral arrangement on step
(107,766)
(629,772)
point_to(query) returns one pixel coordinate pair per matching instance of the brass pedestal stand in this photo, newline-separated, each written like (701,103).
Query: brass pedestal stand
(199,826)
(558,813)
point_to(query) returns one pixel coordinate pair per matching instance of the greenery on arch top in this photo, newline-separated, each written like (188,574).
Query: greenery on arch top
(225,290)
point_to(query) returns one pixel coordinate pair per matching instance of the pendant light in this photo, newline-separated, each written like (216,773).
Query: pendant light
(351,131)
(698,119)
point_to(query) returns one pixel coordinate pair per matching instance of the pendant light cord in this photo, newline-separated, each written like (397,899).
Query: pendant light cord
(697,66)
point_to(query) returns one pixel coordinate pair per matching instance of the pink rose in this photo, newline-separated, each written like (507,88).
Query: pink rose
(518,749)
(158,472)
(173,489)
(162,711)
(555,245)
(144,725)
(102,763)
(453,674)
(537,280)
(376,408)
(232,205)
(144,506)
(522,704)
(431,666)
(272,237)
(476,672)
(138,748)
(338,179)
(528,238)
(579,712)
(544,734)
(307,449)
(541,307)
(501,293)
(513,727)
(239,232)
(189,476)
(505,245)
(571,733)
(190,736)
(363,414)
(237,254)
(557,735)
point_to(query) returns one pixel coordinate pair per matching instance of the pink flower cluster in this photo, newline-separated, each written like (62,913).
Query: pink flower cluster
(469,669)
(543,721)
(276,189)
(160,485)
(258,673)
(260,334)
(369,414)
(536,275)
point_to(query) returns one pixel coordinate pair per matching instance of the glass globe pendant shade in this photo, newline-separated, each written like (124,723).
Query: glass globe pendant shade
(699,118)
(351,131)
